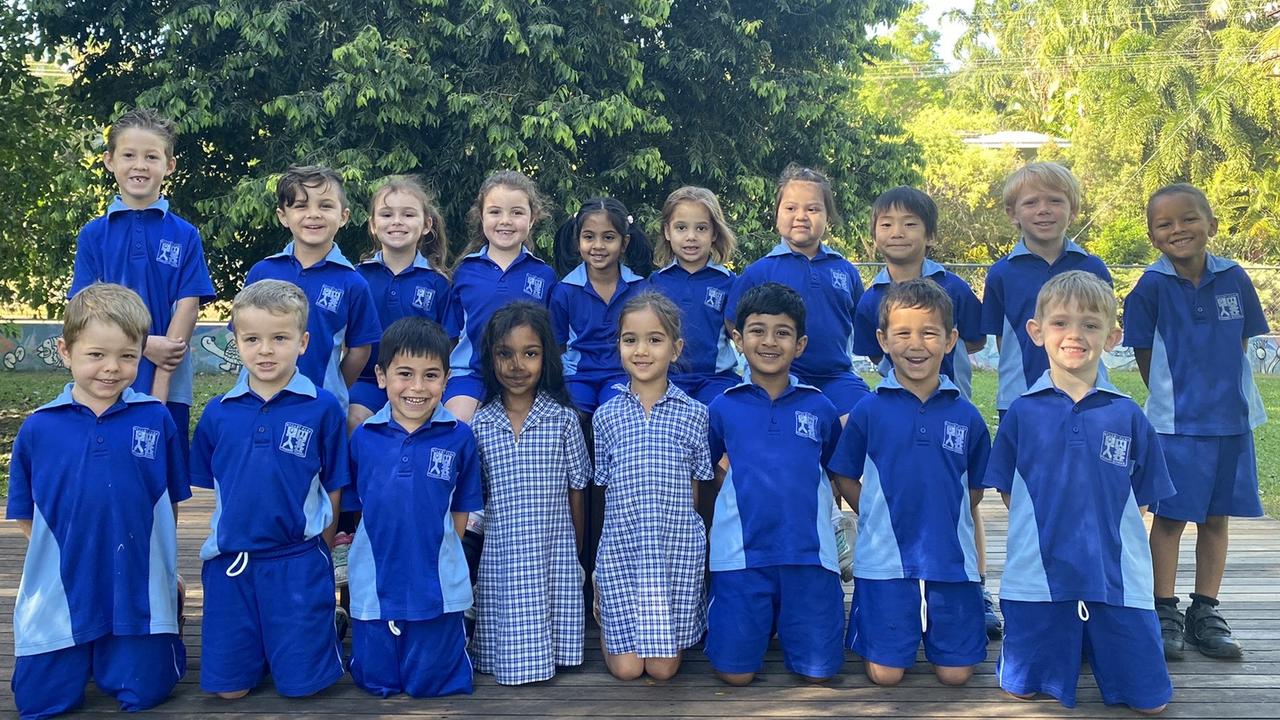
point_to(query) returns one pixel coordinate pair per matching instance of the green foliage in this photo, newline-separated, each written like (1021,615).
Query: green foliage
(1123,242)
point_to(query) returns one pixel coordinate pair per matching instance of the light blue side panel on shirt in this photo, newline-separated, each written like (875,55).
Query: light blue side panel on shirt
(455,578)
(41,616)
(877,556)
(726,356)
(964,532)
(1013,378)
(317,509)
(210,549)
(1257,413)
(181,381)
(162,576)
(727,550)
(571,356)
(1024,576)
(1135,558)
(826,533)
(464,352)
(362,578)
(962,370)
(333,380)
(1160,380)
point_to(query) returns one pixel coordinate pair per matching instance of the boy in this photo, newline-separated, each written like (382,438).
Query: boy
(416,478)
(312,206)
(1041,199)
(99,592)
(920,449)
(1188,320)
(140,244)
(274,449)
(1076,462)
(772,551)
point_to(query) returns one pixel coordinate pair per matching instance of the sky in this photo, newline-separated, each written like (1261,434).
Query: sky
(950,31)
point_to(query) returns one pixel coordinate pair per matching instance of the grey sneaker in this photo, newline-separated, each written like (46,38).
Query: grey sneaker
(341,547)
(844,550)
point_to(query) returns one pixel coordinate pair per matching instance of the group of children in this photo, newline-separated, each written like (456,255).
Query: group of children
(405,395)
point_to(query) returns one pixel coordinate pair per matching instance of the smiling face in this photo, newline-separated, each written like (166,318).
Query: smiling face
(917,341)
(646,347)
(140,162)
(270,345)
(1179,227)
(770,344)
(505,218)
(691,233)
(900,236)
(802,217)
(399,222)
(414,387)
(1042,215)
(517,362)
(1074,338)
(103,362)
(314,220)
(599,243)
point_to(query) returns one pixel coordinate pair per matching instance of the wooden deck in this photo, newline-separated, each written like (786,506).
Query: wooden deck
(1203,688)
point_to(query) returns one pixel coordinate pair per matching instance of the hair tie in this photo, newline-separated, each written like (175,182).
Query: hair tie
(630,221)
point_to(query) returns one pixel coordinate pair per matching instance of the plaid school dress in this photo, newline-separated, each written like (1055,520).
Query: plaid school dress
(653,547)
(529,613)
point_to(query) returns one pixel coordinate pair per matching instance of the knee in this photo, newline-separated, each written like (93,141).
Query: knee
(1216,524)
(815,680)
(234,694)
(886,676)
(626,668)
(953,675)
(662,669)
(736,679)
(1151,711)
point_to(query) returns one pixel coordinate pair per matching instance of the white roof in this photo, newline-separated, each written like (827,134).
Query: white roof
(1020,139)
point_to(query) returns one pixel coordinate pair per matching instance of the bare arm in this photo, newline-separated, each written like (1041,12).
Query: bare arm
(167,351)
(460,523)
(975,497)
(329,532)
(1004,497)
(25,525)
(353,362)
(974,346)
(849,488)
(578,511)
(1142,356)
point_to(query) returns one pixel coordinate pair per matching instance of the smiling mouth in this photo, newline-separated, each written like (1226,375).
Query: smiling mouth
(413,400)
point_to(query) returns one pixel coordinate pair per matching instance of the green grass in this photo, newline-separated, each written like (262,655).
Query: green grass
(20,393)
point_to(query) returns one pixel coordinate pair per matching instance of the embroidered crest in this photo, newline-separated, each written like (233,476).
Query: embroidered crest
(296,439)
(533,286)
(1229,307)
(423,297)
(170,253)
(441,464)
(330,298)
(1115,449)
(144,442)
(840,280)
(954,436)
(807,425)
(714,299)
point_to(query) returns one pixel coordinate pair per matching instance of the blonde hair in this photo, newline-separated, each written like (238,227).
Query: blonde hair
(1047,175)
(512,180)
(723,242)
(277,297)
(434,244)
(1084,289)
(796,172)
(109,304)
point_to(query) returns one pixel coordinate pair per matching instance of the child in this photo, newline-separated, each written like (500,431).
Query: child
(529,614)
(404,273)
(773,553)
(1041,199)
(695,242)
(1188,320)
(651,453)
(498,266)
(586,304)
(274,449)
(920,449)
(1076,462)
(94,480)
(140,244)
(312,206)
(416,476)
(828,283)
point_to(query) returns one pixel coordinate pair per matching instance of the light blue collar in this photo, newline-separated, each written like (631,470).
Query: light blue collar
(928,269)
(419,261)
(117,205)
(1100,385)
(1069,247)
(782,249)
(440,416)
(793,384)
(128,397)
(709,266)
(1212,264)
(890,382)
(299,384)
(335,255)
(578,276)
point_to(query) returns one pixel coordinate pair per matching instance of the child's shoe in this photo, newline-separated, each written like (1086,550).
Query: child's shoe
(995,629)
(341,547)
(844,549)
(182,605)
(1171,628)
(1207,631)
(341,621)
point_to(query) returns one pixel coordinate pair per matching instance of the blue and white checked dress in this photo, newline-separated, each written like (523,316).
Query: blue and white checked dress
(529,613)
(653,548)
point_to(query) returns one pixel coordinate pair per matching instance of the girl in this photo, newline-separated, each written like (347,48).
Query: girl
(498,266)
(534,465)
(586,304)
(651,451)
(404,272)
(695,241)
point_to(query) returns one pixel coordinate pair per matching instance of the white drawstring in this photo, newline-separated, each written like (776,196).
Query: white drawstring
(242,560)
(924,609)
(394,630)
(1082,611)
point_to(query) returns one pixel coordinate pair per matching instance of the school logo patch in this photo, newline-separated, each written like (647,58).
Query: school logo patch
(807,425)
(170,253)
(840,280)
(533,286)
(441,464)
(1229,307)
(144,442)
(1115,449)
(954,436)
(296,439)
(714,299)
(330,298)
(423,297)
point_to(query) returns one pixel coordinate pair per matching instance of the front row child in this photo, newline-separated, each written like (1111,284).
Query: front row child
(651,454)
(915,451)
(773,550)
(533,460)
(94,480)
(416,477)
(274,450)
(1077,462)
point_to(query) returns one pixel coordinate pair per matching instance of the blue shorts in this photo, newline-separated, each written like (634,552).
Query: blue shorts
(365,392)
(705,388)
(804,603)
(589,392)
(843,389)
(471,386)
(1213,476)
(424,658)
(139,671)
(1043,642)
(275,610)
(884,622)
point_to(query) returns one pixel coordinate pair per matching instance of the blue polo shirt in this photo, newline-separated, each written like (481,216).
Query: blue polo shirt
(966,309)
(103,556)
(417,291)
(406,562)
(1009,301)
(831,288)
(480,287)
(1076,474)
(342,312)
(156,254)
(701,297)
(775,505)
(586,325)
(271,464)
(917,462)
(1205,385)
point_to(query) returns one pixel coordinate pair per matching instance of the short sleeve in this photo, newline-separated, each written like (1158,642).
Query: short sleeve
(1150,474)
(715,430)
(865,321)
(830,433)
(1140,312)
(856,287)
(745,282)
(603,444)
(363,326)
(87,266)
(560,314)
(1003,461)
(1255,322)
(194,280)
(968,311)
(1101,270)
(468,495)
(351,493)
(701,456)
(335,461)
(851,451)
(177,480)
(992,314)
(448,311)
(979,451)
(21,504)
(578,464)
(200,463)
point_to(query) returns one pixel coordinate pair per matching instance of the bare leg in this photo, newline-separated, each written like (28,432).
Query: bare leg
(1211,555)
(736,679)
(1166,534)
(661,668)
(883,674)
(462,407)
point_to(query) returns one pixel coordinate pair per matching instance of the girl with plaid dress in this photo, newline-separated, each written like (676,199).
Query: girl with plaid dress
(651,452)
(529,612)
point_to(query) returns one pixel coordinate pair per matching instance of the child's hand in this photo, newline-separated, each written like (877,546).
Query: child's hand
(165,352)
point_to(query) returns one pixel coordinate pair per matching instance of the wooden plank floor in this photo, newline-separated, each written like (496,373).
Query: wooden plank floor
(1203,688)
